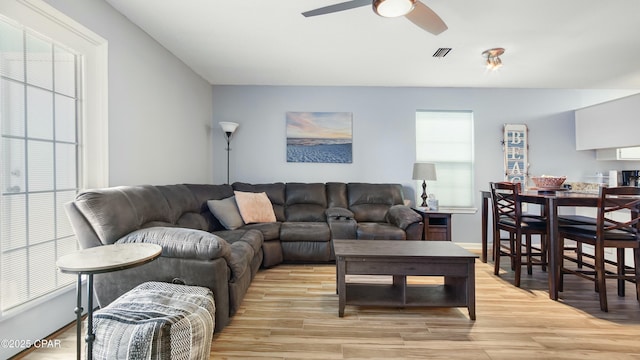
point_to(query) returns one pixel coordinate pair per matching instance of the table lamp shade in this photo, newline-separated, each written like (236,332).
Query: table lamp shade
(424,171)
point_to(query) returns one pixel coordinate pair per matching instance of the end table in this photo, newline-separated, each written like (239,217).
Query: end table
(97,260)
(437,224)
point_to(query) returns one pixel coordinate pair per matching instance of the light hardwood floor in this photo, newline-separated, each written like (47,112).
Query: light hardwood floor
(291,312)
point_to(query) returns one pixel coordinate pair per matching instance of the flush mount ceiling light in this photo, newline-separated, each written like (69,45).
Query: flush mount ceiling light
(493,58)
(393,8)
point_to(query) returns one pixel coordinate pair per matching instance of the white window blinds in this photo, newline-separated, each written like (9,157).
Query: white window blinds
(39,171)
(446,139)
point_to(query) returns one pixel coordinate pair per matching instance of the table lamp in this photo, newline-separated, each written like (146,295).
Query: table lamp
(424,171)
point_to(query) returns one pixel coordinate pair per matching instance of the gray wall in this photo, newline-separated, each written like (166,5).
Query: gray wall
(383,134)
(159,109)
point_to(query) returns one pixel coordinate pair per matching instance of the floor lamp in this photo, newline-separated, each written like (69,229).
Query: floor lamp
(228,128)
(424,172)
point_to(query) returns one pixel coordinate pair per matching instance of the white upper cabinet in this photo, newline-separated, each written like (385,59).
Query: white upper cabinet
(632,153)
(614,124)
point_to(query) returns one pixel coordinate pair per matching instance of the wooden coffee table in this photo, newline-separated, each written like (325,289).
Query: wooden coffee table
(401,259)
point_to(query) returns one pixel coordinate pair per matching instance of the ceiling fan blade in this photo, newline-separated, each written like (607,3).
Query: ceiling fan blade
(427,19)
(337,7)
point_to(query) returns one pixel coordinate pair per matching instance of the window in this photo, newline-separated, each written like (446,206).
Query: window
(39,168)
(446,139)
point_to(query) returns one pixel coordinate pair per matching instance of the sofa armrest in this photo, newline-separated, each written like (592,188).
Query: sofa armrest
(85,233)
(338,213)
(341,223)
(402,216)
(181,242)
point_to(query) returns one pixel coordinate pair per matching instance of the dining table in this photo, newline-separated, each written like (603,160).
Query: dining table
(550,202)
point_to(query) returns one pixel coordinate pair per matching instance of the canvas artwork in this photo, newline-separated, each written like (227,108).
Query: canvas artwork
(319,137)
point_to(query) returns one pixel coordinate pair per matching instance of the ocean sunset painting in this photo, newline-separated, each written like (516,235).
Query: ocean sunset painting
(319,137)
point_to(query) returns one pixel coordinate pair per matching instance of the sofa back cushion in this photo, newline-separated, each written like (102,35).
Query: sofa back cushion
(275,192)
(205,192)
(305,202)
(115,212)
(184,210)
(337,195)
(370,202)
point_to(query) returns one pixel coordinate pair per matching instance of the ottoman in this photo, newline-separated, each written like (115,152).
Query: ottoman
(156,320)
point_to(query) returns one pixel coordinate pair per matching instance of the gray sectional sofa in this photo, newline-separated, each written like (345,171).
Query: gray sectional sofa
(199,250)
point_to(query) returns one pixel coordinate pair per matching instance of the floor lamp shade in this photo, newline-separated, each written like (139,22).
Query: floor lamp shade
(424,171)
(228,128)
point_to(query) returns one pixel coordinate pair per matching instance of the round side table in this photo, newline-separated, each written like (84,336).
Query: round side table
(97,260)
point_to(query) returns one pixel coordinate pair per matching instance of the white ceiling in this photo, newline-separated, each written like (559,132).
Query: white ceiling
(575,44)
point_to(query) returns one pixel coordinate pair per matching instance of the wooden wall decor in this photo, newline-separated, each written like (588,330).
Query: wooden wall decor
(515,146)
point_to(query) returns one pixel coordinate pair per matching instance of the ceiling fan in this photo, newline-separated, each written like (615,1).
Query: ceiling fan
(414,10)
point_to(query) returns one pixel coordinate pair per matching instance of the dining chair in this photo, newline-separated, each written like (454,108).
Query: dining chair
(608,231)
(508,217)
(569,250)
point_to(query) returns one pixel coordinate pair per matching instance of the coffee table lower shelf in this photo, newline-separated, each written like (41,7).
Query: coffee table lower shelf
(412,296)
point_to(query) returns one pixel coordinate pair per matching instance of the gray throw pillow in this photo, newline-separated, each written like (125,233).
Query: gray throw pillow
(226,211)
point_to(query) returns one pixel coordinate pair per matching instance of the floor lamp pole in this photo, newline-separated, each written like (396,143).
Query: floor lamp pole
(228,134)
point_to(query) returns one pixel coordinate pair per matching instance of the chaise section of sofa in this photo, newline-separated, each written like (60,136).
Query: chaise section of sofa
(173,217)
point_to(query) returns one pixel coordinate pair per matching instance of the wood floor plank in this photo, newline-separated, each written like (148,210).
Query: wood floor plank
(291,312)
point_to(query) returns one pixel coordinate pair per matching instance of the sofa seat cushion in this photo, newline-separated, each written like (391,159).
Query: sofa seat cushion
(181,242)
(305,231)
(252,237)
(379,231)
(270,231)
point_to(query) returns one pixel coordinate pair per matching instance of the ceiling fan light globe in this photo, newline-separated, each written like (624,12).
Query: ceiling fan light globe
(393,8)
